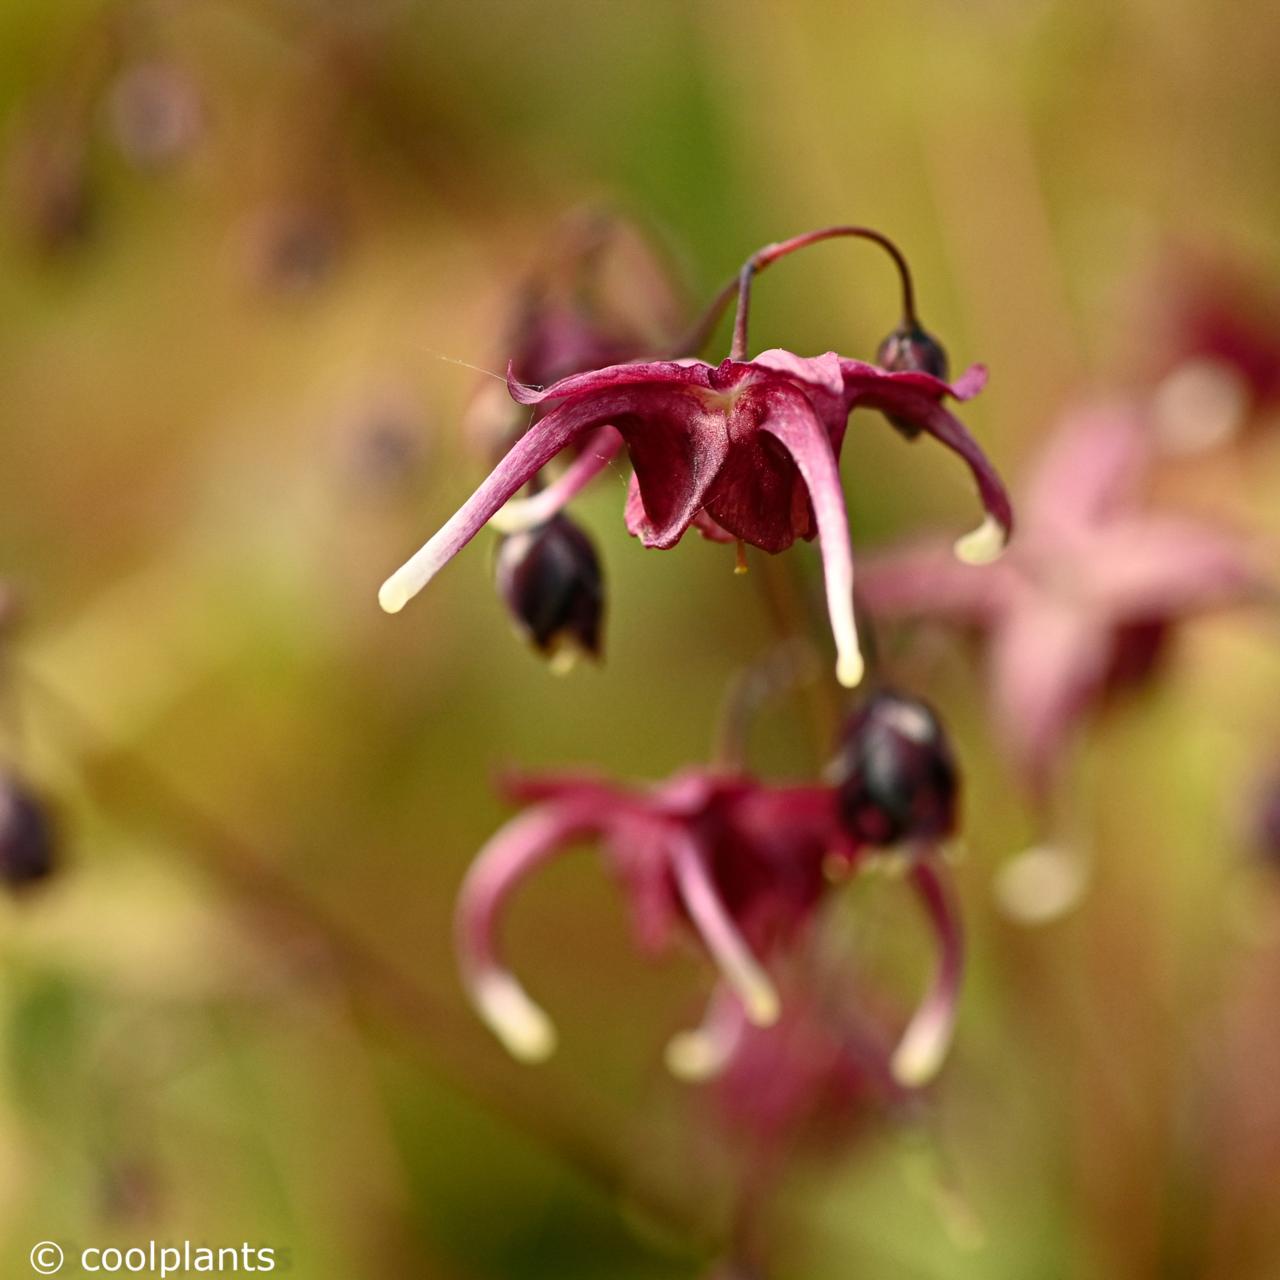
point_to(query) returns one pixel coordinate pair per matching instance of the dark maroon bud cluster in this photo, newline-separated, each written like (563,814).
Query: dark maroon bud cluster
(896,773)
(26,835)
(551,581)
(909,349)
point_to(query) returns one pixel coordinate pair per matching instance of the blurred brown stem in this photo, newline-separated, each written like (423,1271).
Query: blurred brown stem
(123,782)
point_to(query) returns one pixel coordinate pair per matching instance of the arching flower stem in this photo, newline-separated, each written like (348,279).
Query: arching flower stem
(770,254)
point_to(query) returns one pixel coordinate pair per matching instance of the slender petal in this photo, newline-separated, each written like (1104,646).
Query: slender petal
(1047,658)
(916,398)
(797,429)
(677,440)
(715,926)
(822,371)
(527,513)
(667,373)
(925,580)
(703,1052)
(1091,469)
(1164,566)
(865,383)
(513,853)
(927,1038)
(986,542)
(527,457)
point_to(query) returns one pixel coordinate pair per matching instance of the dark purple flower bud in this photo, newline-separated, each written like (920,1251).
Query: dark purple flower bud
(909,349)
(551,581)
(1138,650)
(290,249)
(26,835)
(48,185)
(896,773)
(1267,822)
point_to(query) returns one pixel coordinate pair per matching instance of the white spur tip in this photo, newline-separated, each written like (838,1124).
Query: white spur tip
(524,1029)
(983,545)
(850,668)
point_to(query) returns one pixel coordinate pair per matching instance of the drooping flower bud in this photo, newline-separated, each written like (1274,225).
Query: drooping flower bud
(896,773)
(26,835)
(909,349)
(552,583)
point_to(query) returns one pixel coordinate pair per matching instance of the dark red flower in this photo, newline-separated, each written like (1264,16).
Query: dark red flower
(741,864)
(747,449)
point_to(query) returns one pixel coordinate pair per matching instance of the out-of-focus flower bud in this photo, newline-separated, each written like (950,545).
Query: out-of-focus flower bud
(26,835)
(909,349)
(291,249)
(552,583)
(155,114)
(896,773)
(382,442)
(48,185)
(1267,822)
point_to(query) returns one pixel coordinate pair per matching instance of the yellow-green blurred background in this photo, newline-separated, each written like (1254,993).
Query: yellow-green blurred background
(233,364)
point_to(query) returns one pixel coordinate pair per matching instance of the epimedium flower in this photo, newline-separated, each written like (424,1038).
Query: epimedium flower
(1084,602)
(743,865)
(745,450)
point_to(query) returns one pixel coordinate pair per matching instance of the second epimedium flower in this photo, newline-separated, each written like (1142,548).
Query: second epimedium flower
(743,866)
(746,450)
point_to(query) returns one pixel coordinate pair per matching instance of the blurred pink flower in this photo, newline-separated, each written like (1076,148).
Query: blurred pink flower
(1086,596)
(812,1077)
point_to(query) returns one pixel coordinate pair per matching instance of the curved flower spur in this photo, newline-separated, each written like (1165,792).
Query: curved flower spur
(742,864)
(746,450)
